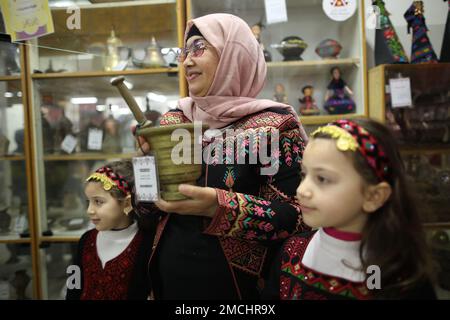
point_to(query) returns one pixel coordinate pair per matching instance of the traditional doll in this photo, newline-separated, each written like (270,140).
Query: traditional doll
(338,100)
(280,93)
(421,51)
(256,29)
(388,48)
(308,105)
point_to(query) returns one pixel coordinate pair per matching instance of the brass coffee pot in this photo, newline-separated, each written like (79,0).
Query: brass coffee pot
(153,57)
(112,58)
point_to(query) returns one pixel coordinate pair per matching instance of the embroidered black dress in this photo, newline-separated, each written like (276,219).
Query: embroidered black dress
(123,278)
(224,257)
(290,279)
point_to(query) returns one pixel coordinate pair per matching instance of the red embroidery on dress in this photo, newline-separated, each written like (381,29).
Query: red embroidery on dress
(112,282)
(293,252)
(244,255)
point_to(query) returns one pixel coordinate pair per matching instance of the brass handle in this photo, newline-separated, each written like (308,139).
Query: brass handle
(131,102)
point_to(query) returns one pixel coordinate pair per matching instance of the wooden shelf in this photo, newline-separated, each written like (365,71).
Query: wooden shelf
(12,158)
(87,156)
(60,239)
(427,149)
(290,68)
(111,4)
(94,74)
(14,239)
(437,225)
(307,120)
(9,78)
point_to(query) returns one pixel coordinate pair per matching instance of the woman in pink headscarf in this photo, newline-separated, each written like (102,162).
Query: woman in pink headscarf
(216,244)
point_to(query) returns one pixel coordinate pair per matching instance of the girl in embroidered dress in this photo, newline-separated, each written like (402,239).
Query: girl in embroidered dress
(369,242)
(113,257)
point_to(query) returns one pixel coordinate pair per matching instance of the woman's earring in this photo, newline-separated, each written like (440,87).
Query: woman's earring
(127,210)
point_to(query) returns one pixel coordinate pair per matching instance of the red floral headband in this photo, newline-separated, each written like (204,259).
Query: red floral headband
(351,136)
(110,179)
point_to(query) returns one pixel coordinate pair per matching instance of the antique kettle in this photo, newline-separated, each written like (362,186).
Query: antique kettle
(153,57)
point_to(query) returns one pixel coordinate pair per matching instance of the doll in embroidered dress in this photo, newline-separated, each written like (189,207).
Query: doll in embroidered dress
(369,243)
(338,97)
(113,256)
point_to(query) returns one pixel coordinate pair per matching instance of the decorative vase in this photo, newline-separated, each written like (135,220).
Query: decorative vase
(291,48)
(328,48)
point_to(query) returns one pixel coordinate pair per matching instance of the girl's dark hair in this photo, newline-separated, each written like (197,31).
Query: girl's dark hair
(393,237)
(125,169)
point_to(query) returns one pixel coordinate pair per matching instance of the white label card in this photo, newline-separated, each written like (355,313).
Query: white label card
(69,143)
(21,224)
(146,179)
(95,139)
(400,92)
(4,290)
(275,11)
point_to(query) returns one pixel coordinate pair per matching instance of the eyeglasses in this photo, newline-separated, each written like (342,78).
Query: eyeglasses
(196,50)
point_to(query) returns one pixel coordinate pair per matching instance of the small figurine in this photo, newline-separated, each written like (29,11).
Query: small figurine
(20,283)
(4,145)
(256,29)
(308,105)
(338,100)
(280,94)
(152,115)
(111,140)
(421,50)
(5,221)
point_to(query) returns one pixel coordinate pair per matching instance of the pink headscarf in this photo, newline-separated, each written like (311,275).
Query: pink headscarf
(239,77)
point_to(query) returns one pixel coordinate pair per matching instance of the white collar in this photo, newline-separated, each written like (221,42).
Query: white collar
(334,257)
(119,234)
(111,243)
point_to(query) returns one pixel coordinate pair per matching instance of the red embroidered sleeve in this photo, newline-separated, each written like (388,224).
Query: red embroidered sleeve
(272,215)
(173,117)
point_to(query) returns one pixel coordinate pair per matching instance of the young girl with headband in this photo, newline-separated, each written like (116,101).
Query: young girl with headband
(113,257)
(369,241)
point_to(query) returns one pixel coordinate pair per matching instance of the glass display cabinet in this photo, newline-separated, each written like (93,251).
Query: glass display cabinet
(301,52)
(422,128)
(16,241)
(80,121)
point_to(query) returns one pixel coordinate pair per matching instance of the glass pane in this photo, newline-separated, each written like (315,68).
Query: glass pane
(439,241)
(430,175)
(123,42)
(301,52)
(13,200)
(11,119)
(427,122)
(15,272)
(9,58)
(91,110)
(56,257)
